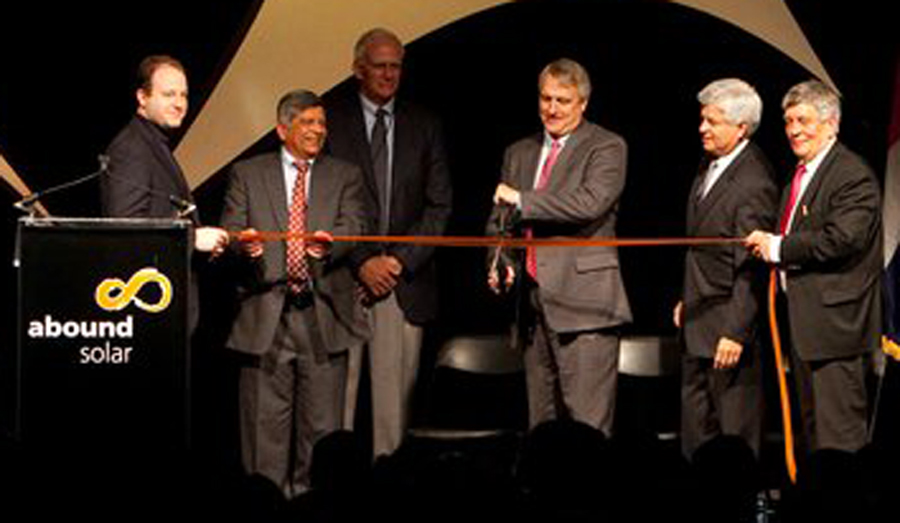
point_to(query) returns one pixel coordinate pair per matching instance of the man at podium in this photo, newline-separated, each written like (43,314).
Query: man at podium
(144,180)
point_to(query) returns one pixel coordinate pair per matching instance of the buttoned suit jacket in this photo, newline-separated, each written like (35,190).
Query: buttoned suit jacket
(143,174)
(257,198)
(832,257)
(580,288)
(722,283)
(421,193)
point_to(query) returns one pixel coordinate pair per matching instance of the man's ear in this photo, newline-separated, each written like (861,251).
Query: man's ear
(141,96)
(282,131)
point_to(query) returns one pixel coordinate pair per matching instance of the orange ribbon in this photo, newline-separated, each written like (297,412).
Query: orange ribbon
(789,457)
(500,241)
(489,241)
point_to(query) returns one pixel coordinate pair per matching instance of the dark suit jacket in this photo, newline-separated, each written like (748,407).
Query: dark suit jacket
(833,260)
(722,283)
(421,194)
(580,287)
(256,197)
(142,175)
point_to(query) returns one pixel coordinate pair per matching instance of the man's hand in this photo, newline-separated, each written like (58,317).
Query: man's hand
(319,246)
(678,314)
(759,245)
(251,243)
(494,279)
(506,195)
(210,239)
(728,353)
(380,274)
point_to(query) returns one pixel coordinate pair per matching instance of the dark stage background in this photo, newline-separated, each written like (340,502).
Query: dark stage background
(67,87)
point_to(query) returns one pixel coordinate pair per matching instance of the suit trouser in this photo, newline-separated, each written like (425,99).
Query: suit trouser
(570,374)
(833,402)
(289,399)
(393,365)
(721,401)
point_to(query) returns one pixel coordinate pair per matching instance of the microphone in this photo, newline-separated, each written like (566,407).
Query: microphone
(185,208)
(26,204)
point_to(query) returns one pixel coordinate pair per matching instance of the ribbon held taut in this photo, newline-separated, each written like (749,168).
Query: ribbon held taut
(490,241)
(502,241)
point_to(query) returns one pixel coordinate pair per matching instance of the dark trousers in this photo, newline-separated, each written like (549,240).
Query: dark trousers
(830,396)
(289,399)
(570,374)
(832,400)
(721,401)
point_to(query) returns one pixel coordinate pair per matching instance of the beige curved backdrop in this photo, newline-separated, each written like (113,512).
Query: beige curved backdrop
(308,43)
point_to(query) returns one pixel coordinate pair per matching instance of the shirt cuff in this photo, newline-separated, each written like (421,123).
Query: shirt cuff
(775,249)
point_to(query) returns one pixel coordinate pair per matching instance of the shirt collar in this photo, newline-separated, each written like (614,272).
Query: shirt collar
(371,107)
(813,165)
(548,140)
(724,161)
(288,159)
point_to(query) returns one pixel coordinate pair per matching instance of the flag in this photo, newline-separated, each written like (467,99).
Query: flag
(891,223)
(885,422)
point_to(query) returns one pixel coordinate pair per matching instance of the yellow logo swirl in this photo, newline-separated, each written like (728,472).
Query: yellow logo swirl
(114,294)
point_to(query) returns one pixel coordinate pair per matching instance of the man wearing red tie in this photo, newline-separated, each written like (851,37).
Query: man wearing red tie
(828,251)
(566,181)
(297,314)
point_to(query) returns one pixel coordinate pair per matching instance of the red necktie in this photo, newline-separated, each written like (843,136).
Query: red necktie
(792,200)
(297,267)
(543,178)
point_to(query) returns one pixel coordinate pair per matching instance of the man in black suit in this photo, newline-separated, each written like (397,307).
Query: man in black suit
(828,250)
(399,147)
(144,180)
(732,194)
(566,181)
(297,314)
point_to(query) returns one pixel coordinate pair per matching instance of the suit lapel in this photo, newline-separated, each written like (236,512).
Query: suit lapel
(563,159)
(360,143)
(530,161)
(721,187)
(272,178)
(317,200)
(693,201)
(403,141)
(809,195)
(819,177)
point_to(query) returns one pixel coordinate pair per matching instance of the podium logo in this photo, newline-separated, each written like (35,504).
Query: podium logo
(114,294)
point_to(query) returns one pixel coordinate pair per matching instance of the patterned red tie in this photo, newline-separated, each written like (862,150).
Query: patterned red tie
(792,200)
(297,267)
(543,178)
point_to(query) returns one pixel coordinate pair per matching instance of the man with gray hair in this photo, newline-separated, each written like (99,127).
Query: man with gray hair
(733,193)
(566,181)
(399,147)
(828,248)
(297,314)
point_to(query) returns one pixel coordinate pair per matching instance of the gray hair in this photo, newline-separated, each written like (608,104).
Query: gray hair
(294,103)
(737,99)
(824,99)
(374,36)
(568,72)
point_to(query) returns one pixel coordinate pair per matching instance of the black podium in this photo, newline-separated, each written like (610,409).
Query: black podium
(103,352)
